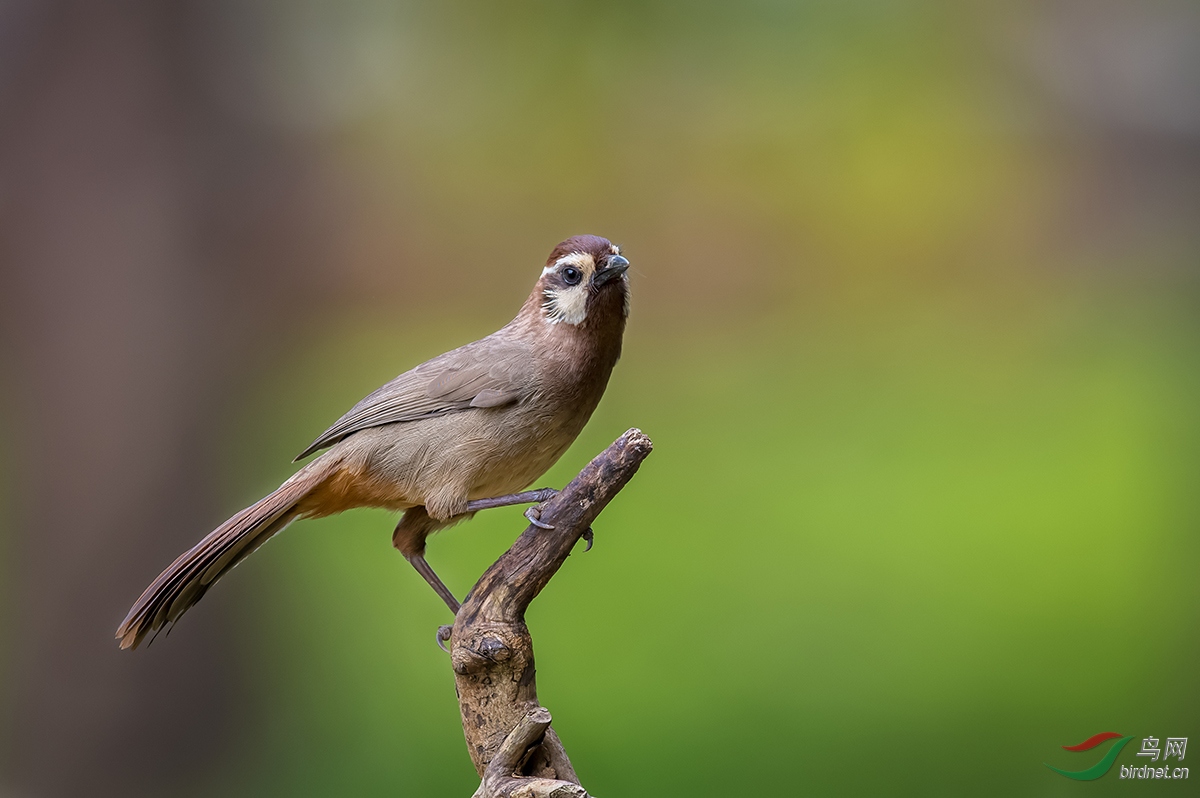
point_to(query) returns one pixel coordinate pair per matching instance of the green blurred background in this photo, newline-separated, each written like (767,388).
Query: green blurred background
(914,331)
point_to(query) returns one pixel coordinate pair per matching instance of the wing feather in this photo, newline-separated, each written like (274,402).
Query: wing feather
(491,372)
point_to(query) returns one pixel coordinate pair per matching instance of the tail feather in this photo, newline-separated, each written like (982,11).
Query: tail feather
(186,580)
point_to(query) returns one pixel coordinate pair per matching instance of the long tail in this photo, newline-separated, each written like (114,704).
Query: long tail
(188,578)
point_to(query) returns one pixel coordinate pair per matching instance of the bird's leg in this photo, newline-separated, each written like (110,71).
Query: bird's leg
(439,587)
(416,525)
(409,537)
(535,496)
(525,497)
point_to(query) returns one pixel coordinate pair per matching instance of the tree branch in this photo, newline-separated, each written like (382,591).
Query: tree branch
(508,733)
(498,778)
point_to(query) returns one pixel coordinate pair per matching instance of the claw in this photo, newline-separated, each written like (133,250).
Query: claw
(443,636)
(533,515)
(589,537)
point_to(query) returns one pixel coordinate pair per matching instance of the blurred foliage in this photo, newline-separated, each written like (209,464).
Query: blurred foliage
(921,509)
(920,368)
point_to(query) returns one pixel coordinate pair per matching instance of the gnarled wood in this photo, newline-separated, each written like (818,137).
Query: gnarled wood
(498,778)
(492,651)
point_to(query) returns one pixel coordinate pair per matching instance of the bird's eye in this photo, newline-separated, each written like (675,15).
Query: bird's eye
(571,275)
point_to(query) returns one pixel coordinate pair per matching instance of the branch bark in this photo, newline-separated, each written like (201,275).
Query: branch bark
(508,733)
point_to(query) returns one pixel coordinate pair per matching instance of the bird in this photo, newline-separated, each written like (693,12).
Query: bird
(465,431)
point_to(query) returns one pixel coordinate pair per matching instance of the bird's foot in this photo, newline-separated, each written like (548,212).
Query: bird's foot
(544,494)
(534,515)
(588,536)
(443,637)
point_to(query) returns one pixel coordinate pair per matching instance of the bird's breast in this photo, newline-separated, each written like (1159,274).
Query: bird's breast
(527,440)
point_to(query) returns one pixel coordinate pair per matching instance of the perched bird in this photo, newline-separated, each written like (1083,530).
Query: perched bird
(459,433)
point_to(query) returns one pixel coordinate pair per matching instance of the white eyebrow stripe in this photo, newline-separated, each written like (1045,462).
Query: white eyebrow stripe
(580,259)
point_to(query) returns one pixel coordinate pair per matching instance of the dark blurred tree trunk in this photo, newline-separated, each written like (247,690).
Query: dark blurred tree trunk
(148,243)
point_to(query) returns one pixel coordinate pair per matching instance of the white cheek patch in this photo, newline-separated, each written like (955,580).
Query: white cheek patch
(565,305)
(568,304)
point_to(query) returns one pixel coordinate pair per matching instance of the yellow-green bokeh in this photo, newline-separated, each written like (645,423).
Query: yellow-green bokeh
(922,507)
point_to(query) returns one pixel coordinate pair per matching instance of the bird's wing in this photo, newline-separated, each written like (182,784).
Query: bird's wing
(491,372)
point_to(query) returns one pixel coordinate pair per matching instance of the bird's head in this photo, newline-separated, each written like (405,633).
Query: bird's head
(584,278)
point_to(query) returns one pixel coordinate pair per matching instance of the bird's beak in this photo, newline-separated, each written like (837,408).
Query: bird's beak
(613,268)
